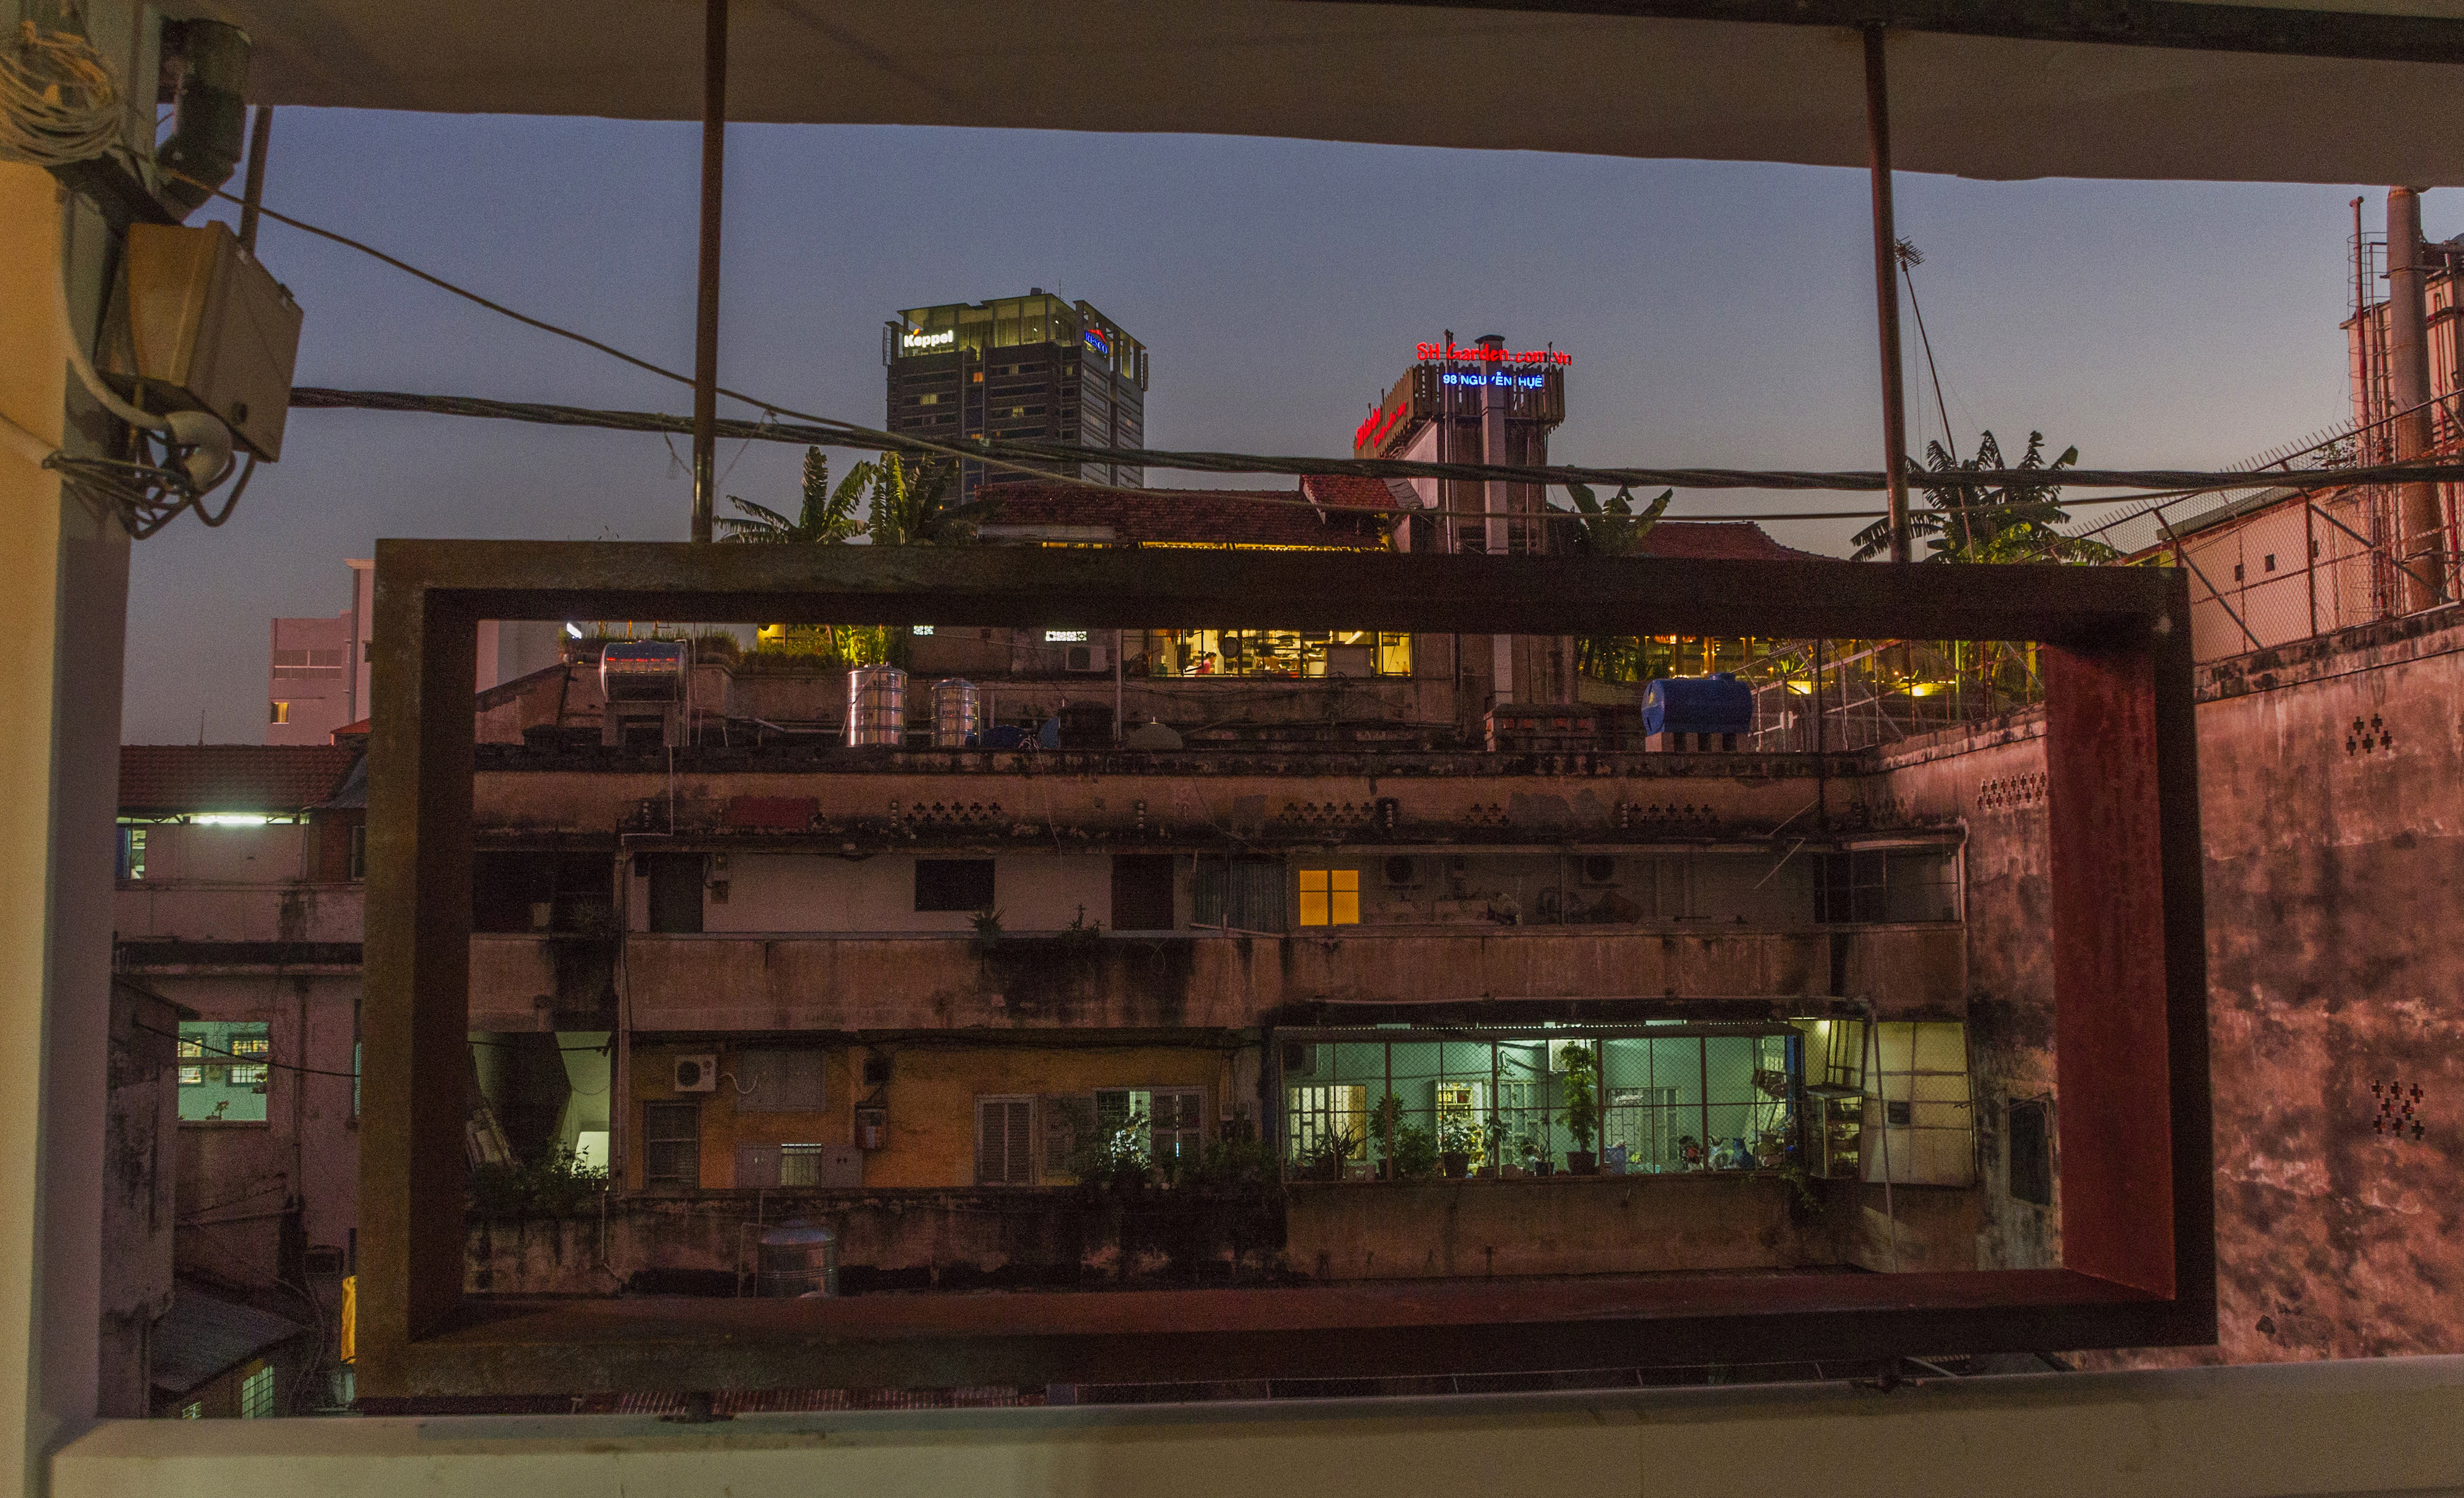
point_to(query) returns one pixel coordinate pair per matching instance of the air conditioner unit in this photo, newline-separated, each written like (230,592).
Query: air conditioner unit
(696,1074)
(1599,868)
(1402,872)
(1086,659)
(1299,1059)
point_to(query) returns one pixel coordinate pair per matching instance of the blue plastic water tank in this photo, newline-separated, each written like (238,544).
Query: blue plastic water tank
(1720,704)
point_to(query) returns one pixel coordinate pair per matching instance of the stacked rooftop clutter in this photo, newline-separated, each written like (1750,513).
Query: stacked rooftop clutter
(1121,960)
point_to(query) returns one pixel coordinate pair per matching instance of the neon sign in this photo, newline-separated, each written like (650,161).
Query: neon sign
(912,343)
(1096,341)
(1448,353)
(1373,432)
(1511,382)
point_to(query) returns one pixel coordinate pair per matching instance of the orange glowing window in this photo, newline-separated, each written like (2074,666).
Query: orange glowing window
(1330,896)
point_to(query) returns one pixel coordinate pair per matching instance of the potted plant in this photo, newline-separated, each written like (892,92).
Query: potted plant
(1384,1120)
(1459,1139)
(1324,1158)
(1580,1094)
(1415,1154)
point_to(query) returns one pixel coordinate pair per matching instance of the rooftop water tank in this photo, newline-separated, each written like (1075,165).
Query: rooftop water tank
(877,706)
(644,671)
(797,1261)
(954,713)
(1719,704)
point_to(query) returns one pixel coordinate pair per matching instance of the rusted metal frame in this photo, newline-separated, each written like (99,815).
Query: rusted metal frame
(2165,24)
(714,165)
(2182,554)
(1886,289)
(420,1340)
(1103,588)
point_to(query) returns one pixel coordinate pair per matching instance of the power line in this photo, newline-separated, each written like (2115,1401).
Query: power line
(1029,457)
(2150,484)
(245,1061)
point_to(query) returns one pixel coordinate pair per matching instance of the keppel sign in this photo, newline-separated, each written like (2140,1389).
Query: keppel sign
(1448,353)
(923,343)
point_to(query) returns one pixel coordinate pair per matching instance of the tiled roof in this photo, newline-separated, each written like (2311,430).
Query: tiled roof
(268,778)
(202,1336)
(1720,541)
(1198,517)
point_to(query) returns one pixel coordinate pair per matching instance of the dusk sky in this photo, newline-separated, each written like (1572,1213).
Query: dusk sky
(1719,314)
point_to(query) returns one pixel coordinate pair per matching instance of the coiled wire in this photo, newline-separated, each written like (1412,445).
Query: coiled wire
(58,101)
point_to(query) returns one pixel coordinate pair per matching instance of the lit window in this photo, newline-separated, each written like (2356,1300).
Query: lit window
(194,1409)
(278,713)
(248,1045)
(132,854)
(1330,896)
(225,1080)
(256,1392)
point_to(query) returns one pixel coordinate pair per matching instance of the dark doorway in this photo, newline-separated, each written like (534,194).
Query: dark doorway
(675,893)
(2031,1145)
(1142,891)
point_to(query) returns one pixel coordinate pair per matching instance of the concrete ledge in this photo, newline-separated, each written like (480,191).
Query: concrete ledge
(2389,1426)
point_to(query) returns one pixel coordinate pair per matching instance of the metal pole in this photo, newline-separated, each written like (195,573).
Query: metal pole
(714,160)
(1886,290)
(2419,525)
(253,195)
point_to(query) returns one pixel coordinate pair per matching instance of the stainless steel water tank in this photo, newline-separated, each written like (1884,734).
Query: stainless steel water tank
(644,671)
(797,1261)
(954,713)
(877,706)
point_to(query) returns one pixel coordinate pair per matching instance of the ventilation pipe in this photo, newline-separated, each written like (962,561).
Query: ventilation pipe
(1495,504)
(2421,527)
(211,125)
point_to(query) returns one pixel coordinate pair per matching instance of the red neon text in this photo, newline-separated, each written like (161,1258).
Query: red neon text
(1370,433)
(1477,355)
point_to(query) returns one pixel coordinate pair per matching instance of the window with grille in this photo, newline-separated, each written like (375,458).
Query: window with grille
(1005,1142)
(256,1392)
(1329,897)
(1240,894)
(223,1070)
(776,1165)
(1871,886)
(672,1145)
(780,1082)
(1171,1123)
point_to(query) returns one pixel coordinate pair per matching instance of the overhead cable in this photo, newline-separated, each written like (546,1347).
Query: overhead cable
(2168,483)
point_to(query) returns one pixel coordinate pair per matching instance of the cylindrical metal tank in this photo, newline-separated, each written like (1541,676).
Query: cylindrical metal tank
(877,706)
(644,671)
(1719,704)
(797,1261)
(954,713)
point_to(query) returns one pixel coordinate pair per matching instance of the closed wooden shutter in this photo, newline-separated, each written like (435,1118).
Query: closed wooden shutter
(1005,1142)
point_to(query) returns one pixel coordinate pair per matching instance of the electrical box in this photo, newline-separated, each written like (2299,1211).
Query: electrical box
(201,325)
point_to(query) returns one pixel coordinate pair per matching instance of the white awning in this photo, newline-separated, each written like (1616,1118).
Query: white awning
(1416,75)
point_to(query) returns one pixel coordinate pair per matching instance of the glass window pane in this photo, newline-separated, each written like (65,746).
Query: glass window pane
(230,1079)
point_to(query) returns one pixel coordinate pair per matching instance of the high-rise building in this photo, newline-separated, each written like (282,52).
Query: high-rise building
(1032,367)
